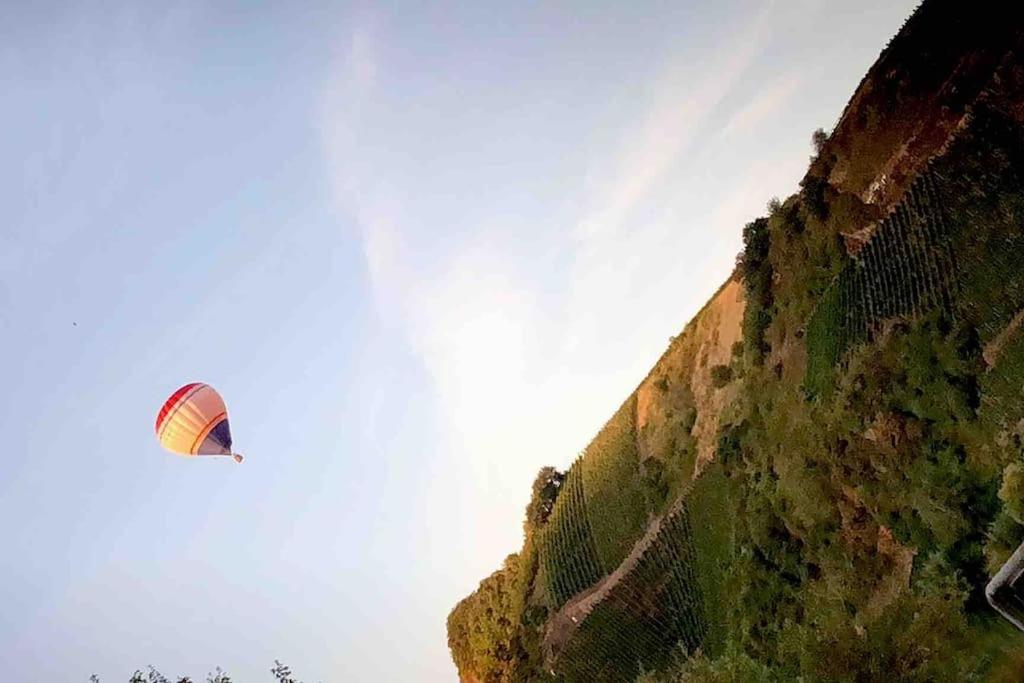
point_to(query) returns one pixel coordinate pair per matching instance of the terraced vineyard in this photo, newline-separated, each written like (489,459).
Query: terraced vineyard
(600,512)
(566,545)
(614,489)
(667,602)
(982,181)
(954,242)
(905,269)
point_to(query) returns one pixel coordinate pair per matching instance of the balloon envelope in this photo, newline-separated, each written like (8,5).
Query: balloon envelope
(194,421)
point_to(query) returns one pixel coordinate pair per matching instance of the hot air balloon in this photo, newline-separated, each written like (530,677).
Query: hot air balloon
(194,421)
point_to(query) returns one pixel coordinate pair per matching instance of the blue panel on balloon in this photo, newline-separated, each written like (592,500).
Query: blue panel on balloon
(222,433)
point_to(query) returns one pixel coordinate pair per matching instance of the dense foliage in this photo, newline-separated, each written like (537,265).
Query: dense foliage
(484,629)
(871,516)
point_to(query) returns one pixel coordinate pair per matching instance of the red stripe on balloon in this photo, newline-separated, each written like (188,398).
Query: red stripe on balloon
(171,402)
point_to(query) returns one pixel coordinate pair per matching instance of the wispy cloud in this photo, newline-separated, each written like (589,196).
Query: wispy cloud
(685,97)
(762,105)
(527,362)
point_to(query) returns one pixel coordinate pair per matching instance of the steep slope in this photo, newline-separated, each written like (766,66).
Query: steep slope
(607,511)
(916,94)
(819,475)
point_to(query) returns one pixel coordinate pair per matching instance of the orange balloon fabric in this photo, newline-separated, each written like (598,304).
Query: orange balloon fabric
(194,421)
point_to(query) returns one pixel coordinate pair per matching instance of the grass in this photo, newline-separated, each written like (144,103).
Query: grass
(712,534)
(1002,387)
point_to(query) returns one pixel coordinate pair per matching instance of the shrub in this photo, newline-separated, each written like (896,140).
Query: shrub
(720,376)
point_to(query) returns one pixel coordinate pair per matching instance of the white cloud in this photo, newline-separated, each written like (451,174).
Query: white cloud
(528,363)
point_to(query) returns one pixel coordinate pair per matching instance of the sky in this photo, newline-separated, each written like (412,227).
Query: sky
(422,249)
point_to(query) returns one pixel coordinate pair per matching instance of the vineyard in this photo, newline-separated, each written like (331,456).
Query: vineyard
(983,188)
(954,242)
(713,542)
(666,604)
(566,543)
(600,512)
(906,269)
(614,488)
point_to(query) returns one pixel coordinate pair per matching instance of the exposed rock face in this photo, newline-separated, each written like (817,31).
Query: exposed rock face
(681,380)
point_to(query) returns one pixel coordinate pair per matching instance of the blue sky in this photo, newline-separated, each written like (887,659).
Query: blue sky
(421,250)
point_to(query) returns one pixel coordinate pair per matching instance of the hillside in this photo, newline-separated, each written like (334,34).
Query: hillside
(823,470)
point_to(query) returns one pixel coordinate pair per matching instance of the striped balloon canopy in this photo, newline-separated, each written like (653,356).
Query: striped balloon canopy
(194,421)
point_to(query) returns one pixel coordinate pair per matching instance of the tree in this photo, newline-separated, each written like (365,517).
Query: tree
(755,267)
(818,139)
(484,633)
(281,673)
(546,486)
(218,677)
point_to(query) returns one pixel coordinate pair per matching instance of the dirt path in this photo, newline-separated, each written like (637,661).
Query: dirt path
(563,623)
(995,347)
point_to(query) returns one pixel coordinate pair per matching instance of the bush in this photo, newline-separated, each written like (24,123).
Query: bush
(720,376)
(280,672)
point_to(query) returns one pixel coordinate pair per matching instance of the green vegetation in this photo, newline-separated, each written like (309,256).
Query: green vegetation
(756,270)
(720,376)
(613,484)
(483,629)
(712,534)
(954,242)
(904,270)
(599,515)
(982,184)
(646,616)
(667,604)
(546,487)
(670,469)
(566,544)
(1002,401)
(869,472)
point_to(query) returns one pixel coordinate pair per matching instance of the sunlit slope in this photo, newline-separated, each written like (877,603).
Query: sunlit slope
(820,474)
(609,509)
(666,599)
(916,94)
(643,456)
